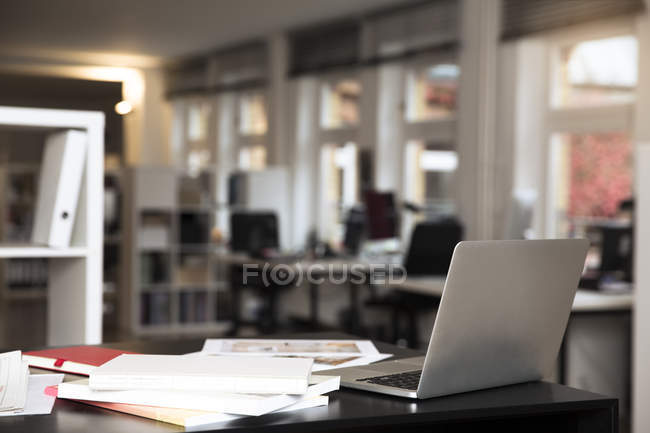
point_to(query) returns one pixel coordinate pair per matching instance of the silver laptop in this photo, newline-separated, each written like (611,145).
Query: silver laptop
(501,320)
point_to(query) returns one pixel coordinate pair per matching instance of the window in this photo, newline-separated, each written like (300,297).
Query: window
(253,126)
(252,157)
(590,154)
(430,176)
(340,104)
(198,115)
(431,92)
(340,186)
(252,114)
(592,177)
(596,72)
(198,152)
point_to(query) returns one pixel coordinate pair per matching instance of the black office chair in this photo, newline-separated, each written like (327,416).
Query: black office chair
(430,250)
(257,234)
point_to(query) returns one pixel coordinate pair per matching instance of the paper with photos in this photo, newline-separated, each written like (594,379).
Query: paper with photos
(327,354)
(312,348)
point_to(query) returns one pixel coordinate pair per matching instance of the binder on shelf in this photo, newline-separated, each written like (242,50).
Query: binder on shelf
(59,186)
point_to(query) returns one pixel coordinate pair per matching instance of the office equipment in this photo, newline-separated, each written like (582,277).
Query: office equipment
(74,271)
(192,418)
(480,337)
(205,400)
(37,402)
(224,374)
(74,359)
(531,407)
(263,191)
(59,186)
(253,232)
(382,214)
(617,249)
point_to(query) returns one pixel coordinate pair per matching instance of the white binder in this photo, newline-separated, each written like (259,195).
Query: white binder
(59,184)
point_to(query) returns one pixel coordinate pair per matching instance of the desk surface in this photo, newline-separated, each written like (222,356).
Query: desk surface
(585,300)
(349,408)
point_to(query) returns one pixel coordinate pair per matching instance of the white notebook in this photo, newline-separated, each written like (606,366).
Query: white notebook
(240,404)
(252,375)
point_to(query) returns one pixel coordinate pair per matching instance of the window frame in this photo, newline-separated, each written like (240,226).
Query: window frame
(614,117)
(338,137)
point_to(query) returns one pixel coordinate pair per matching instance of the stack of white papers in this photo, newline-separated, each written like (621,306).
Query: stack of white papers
(14,375)
(206,388)
(20,393)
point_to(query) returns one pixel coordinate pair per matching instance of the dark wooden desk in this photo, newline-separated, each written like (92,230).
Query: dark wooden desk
(531,407)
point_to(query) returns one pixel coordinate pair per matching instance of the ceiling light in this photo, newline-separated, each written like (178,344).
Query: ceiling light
(123,107)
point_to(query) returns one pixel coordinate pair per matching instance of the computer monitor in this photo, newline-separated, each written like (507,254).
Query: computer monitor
(253,232)
(381,215)
(432,246)
(617,249)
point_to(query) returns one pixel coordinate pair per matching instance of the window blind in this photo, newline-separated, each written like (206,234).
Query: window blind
(239,67)
(426,26)
(245,65)
(524,17)
(187,76)
(324,47)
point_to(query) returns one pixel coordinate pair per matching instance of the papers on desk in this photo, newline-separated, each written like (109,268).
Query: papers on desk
(327,354)
(37,401)
(209,401)
(196,391)
(14,374)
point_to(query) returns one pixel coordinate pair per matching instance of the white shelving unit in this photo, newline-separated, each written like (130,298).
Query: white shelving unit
(75,273)
(172,281)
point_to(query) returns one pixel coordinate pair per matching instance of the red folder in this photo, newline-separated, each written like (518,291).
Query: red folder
(74,359)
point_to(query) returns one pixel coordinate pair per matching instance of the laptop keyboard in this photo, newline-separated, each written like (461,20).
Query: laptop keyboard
(408,380)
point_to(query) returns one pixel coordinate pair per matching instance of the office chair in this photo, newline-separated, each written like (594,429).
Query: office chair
(255,233)
(429,254)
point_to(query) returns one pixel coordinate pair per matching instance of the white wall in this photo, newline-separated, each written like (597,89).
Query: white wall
(390,139)
(641,332)
(146,128)
(477,114)
(304,158)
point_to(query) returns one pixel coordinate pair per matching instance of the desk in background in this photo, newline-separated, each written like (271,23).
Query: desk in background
(336,265)
(530,407)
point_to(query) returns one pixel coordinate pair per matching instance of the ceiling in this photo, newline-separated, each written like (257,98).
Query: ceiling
(138,31)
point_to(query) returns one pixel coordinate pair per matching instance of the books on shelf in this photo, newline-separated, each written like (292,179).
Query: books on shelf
(76,359)
(59,185)
(215,374)
(207,400)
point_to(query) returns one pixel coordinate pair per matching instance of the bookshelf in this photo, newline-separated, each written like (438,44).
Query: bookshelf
(173,279)
(73,274)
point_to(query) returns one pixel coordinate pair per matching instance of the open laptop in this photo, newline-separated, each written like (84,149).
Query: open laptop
(501,320)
